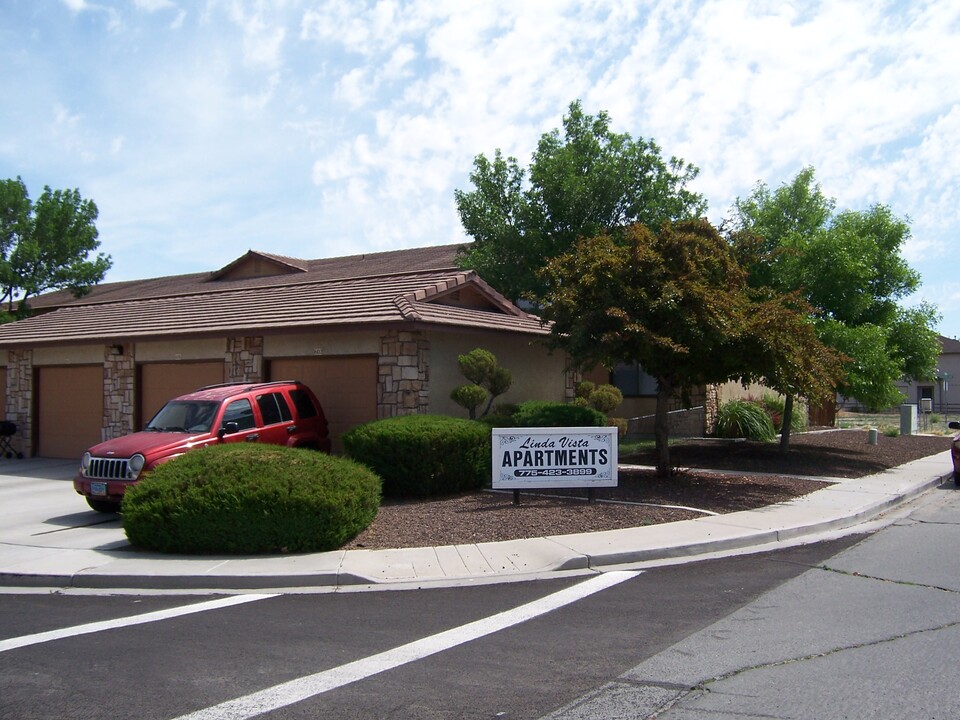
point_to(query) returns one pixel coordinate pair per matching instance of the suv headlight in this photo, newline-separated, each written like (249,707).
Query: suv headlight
(135,465)
(85,463)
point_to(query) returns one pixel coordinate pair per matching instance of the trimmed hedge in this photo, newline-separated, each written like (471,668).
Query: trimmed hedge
(241,498)
(423,455)
(537,413)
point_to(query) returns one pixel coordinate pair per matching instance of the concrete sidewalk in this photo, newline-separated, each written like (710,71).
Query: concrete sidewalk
(49,538)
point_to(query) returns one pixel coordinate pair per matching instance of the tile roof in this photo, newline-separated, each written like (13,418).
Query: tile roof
(437,257)
(949,345)
(330,293)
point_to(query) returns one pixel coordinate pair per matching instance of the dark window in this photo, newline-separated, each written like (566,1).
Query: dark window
(304,404)
(273,408)
(240,412)
(632,381)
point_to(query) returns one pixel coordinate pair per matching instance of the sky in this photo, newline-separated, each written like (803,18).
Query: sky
(322,128)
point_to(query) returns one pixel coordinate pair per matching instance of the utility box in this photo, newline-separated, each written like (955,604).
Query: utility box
(926,405)
(908,419)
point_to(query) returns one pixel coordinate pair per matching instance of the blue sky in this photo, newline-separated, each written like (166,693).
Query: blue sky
(318,128)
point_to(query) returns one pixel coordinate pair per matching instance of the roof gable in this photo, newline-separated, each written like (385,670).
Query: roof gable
(257,265)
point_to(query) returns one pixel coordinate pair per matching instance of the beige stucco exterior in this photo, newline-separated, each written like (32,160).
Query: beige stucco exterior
(537,374)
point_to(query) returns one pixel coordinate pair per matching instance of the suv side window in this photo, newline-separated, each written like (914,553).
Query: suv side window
(274,408)
(303,403)
(241,412)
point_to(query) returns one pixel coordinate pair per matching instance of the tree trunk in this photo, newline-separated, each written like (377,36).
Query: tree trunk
(785,423)
(661,427)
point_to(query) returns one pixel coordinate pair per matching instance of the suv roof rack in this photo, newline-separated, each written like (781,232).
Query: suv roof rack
(246,385)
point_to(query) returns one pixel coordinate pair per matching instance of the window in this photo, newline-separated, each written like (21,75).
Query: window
(632,381)
(303,403)
(240,412)
(273,408)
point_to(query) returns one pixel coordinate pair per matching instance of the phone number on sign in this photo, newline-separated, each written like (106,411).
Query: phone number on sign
(554,472)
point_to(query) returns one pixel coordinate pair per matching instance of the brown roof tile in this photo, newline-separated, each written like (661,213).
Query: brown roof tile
(264,305)
(437,257)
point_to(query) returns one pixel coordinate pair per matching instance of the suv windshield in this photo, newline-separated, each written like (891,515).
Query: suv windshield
(184,416)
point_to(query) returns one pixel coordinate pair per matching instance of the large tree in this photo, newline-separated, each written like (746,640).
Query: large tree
(46,245)
(582,182)
(678,302)
(848,266)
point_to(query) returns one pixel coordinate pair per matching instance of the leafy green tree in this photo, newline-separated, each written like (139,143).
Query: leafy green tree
(46,245)
(678,303)
(848,267)
(488,381)
(583,182)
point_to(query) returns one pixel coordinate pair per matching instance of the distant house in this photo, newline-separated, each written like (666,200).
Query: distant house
(941,394)
(374,335)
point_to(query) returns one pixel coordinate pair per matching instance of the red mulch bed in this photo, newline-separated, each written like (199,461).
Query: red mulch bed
(813,460)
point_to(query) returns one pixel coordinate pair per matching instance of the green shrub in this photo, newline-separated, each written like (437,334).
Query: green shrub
(538,413)
(774,407)
(240,498)
(744,419)
(423,455)
(605,398)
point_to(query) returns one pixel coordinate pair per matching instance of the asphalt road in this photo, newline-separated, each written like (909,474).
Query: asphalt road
(864,627)
(170,667)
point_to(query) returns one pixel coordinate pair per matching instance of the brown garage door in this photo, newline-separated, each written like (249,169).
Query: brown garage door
(69,410)
(161,381)
(346,387)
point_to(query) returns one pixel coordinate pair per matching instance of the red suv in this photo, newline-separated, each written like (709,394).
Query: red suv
(279,413)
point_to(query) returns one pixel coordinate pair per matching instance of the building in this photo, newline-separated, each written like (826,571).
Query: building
(941,394)
(374,335)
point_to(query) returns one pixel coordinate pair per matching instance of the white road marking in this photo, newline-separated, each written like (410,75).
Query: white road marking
(294,691)
(25,640)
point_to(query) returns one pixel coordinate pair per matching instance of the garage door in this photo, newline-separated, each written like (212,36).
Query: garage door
(346,387)
(69,410)
(161,381)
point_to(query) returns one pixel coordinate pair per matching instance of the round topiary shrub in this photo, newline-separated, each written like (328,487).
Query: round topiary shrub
(744,419)
(241,498)
(423,455)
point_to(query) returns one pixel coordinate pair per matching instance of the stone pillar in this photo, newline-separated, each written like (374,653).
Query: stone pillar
(244,359)
(119,385)
(573,377)
(403,382)
(20,399)
(711,408)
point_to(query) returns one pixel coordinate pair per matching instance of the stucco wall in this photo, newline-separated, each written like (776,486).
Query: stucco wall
(181,350)
(537,375)
(320,344)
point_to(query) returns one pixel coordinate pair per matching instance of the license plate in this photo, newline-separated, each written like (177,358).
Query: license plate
(98,488)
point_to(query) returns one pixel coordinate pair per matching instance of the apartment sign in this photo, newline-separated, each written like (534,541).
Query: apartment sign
(554,457)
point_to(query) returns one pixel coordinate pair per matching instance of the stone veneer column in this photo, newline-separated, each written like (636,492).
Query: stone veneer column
(20,398)
(119,376)
(711,408)
(244,359)
(574,376)
(403,382)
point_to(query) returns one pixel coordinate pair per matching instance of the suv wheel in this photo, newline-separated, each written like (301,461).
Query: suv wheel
(104,506)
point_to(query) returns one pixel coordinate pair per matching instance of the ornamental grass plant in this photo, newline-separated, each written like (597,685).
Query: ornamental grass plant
(744,419)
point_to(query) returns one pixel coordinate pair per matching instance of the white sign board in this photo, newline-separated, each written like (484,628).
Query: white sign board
(554,457)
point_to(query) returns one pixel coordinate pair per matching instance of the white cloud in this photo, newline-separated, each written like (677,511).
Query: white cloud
(344,123)
(154,5)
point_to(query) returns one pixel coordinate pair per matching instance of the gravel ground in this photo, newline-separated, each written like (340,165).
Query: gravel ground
(813,460)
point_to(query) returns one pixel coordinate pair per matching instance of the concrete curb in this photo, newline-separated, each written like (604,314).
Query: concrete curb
(840,507)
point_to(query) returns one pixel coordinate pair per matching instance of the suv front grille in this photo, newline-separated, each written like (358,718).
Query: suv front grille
(107,469)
